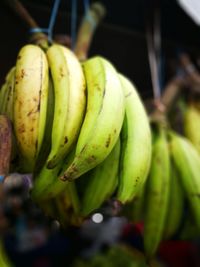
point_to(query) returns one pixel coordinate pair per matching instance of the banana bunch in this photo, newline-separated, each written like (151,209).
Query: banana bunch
(80,128)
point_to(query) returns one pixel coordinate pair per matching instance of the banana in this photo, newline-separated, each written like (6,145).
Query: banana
(191,123)
(101,182)
(101,126)
(175,206)
(187,161)
(68,206)
(30,103)
(136,144)
(46,145)
(6,88)
(8,101)
(134,210)
(158,185)
(46,184)
(70,97)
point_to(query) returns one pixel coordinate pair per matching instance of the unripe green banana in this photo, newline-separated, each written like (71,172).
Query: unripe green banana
(30,103)
(46,184)
(69,97)
(136,144)
(192,123)
(134,210)
(187,161)
(175,206)
(101,182)
(101,126)
(157,197)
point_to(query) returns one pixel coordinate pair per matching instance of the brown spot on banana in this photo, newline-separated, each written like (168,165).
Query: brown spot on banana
(108,141)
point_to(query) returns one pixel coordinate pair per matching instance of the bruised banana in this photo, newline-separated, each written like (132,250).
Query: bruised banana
(136,144)
(30,103)
(103,119)
(187,161)
(101,182)
(70,101)
(157,194)
(175,205)
(191,123)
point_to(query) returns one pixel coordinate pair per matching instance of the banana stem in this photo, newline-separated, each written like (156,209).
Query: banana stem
(86,30)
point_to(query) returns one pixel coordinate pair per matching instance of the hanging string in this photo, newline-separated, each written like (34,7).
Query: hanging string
(50,28)
(86,5)
(53,19)
(73,22)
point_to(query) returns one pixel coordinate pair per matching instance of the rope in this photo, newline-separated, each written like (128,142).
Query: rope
(49,30)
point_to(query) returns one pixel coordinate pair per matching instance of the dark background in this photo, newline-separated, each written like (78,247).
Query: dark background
(120,37)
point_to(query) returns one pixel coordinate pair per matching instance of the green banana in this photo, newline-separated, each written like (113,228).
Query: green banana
(187,161)
(136,144)
(134,210)
(175,205)
(158,185)
(191,123)
(6,87)
(30,103)
(70,99)
(46,183)
(101,126)
(101,182)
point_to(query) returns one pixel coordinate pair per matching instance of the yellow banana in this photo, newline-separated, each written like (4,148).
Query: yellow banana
(191,123)
(187,161)
(8,108)
(30,103)
(158,185)
(61,84)
(101,126)
(75,103)
(136,144)
(101,182)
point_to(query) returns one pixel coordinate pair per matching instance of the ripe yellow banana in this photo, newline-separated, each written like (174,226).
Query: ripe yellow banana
(187,161)
(192,123)
(30,102)
(158,185)
(101,182)
(60,77)
(175,205)
(69,96)
(8,101)
(136,144)
(101,126)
